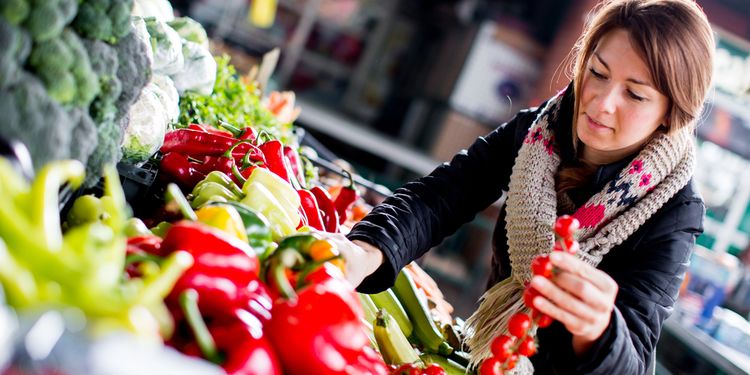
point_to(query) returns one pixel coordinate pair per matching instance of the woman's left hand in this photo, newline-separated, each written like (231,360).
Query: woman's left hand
(579,296)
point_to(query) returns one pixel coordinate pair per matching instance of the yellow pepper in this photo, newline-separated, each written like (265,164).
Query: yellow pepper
(225,218)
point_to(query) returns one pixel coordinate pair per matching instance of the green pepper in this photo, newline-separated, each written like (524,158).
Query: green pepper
(161,228)
(208,190)
(259,198)
(222,179)
(135,227)
(258,230)
(284,193)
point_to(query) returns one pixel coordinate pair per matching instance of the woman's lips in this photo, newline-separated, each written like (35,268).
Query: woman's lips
(595,125)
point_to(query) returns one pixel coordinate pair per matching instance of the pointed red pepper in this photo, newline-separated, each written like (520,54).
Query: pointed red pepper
(178,168)
(327,209)
(210,129)
(346,198)
(273,150)
(317,328)
(311,210)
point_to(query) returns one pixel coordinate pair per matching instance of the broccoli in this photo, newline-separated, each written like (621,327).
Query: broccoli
(10,43)
(93,23)
(104,62)
(109,135)
(84,135)
(52,60)
(134,70)
(87,81)
(104,19)
(68,9)
(119,13)
(32,117)
(45,21)
(14,11)
(52,54)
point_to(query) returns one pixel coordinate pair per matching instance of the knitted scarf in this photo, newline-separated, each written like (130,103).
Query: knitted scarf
(656,174)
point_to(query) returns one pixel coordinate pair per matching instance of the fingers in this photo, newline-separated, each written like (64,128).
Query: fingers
(569,263)
(580,296)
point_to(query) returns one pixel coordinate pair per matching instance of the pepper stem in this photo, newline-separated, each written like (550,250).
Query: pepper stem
(228,152)
(206,343)
(238,175)
(174,194)
(283,260)
(350,177)
(236,132)
(264,134)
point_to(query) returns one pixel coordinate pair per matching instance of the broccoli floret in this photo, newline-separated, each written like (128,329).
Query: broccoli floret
(107,151)
(134,70)
(61,86)
(45,22)
(52,54)
(93,23)
(32,117)
(119,13)
(9,65)
(14,11)
(104,20)
(84,135)
(87,81)
(68,9)
(104,62)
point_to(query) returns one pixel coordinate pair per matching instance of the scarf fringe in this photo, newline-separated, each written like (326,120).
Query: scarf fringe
(497,305)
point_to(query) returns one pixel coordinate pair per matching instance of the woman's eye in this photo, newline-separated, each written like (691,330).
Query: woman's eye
(596,74)
(635,97)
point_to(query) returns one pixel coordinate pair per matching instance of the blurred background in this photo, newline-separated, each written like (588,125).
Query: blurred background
(397,87)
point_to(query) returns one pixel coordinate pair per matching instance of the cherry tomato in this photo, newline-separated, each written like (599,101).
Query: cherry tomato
(519,324)
(542,320)
(491,366)
(433,369)
(566,226)
(407,369)
(528,297)
(502,347)
(572,249)
(527,347)
(541,266)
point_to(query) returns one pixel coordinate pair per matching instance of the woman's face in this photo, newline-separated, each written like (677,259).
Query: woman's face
(620,107)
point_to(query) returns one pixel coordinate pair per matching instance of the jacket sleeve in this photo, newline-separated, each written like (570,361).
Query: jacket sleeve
(422,213)
(656,261)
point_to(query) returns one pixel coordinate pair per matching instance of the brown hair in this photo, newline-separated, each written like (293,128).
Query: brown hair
(675,41)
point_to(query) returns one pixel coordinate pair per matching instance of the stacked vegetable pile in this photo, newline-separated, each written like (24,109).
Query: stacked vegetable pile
(69,72)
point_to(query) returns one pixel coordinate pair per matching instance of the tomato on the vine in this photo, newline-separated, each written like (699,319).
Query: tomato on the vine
(572,249)
(566,226)
(541,266)
(433,369)
(528,297)
(407,369)
(541,319)
(511,362)
(519,324)
(491,366)
(527,347)
(502,347)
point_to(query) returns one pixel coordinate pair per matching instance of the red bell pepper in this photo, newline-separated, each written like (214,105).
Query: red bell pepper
(178,168)
(317,328)
(225,270)
(346,198)
(327,209)
(237,344)
(311,210)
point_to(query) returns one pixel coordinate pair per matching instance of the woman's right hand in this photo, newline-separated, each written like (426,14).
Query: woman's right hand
(362,259)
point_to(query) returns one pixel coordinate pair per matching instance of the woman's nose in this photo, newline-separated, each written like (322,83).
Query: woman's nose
(607,100)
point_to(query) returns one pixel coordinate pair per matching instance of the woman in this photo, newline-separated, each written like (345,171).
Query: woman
(615,149)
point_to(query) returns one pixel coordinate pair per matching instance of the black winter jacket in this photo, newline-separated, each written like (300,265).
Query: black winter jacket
(648,267)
